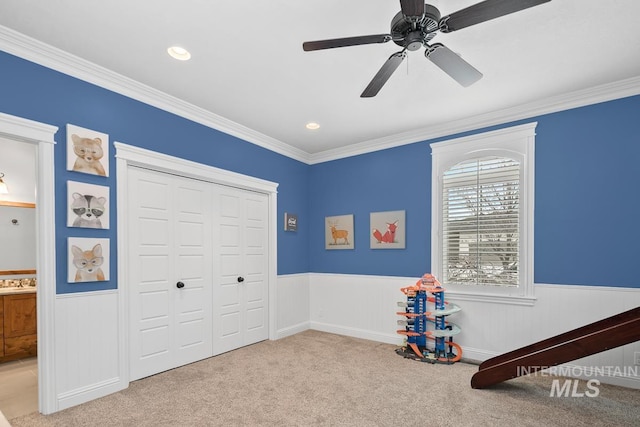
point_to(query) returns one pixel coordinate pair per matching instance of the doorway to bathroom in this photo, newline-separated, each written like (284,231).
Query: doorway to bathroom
(38,137)
(18,280)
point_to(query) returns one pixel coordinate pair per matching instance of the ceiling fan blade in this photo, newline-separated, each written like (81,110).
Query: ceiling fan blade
(484,11)
(346,41)
(451,63)
(383,74)
(412,9)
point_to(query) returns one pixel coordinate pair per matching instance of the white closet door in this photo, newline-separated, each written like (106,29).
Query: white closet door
(170,283)
(193,246)
(241,254)
(256,274)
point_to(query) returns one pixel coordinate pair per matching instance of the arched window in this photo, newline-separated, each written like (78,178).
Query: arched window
(482,218)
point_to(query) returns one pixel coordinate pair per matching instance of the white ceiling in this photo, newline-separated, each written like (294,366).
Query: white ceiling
(248,70)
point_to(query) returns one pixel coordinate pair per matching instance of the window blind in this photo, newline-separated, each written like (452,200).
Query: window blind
(481,222)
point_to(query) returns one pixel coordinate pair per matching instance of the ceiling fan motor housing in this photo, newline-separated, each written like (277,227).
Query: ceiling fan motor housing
(404,34)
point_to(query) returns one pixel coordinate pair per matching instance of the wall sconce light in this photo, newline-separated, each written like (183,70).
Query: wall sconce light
(3,186)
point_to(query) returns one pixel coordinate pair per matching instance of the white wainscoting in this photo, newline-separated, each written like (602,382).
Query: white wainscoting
(292,306)
(88,353)
(89,350)
(358,306)
(366,306)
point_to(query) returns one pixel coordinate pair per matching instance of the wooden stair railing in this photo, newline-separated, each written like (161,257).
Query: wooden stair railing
(612,332)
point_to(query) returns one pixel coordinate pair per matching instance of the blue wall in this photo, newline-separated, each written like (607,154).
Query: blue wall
(37,93)
(388,180)
(588,195)
(587,200)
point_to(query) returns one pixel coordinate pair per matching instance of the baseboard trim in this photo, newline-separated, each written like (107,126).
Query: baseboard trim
(356,333)
(91,392)
(292,330)
(477,354)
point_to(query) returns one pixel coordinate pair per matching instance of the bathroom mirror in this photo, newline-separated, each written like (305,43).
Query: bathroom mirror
(17,238)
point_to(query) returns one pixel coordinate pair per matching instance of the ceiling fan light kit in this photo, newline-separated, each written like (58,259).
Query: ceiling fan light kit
(415,26)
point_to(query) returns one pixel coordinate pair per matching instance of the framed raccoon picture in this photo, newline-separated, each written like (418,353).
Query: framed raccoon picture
(87,205)
(88,260)
(87,151)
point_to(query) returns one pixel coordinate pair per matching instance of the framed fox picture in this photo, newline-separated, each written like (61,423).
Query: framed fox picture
(88,260)
(387,230)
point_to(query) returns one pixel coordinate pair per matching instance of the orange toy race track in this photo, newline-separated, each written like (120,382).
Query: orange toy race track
(416,317)
(612,332)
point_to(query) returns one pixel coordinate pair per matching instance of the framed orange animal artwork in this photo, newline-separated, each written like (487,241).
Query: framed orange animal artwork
(387,230)
(87,151)
(88,260)
(338,232)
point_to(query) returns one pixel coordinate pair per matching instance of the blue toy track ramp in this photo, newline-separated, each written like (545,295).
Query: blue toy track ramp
(612,332)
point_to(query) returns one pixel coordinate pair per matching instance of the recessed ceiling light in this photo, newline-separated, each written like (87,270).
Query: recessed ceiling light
(179,53)
(312,126)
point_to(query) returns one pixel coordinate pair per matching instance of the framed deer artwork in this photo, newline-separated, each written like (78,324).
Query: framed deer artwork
(388,230)
(338,232)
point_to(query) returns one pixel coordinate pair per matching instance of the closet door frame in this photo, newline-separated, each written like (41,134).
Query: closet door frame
(128,155)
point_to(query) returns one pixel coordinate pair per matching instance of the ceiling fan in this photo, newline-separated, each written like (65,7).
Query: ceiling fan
(415,25)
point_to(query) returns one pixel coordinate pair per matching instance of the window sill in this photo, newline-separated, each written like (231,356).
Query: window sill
(528,301)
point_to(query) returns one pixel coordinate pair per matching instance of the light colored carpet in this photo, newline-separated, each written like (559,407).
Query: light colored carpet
(319,379)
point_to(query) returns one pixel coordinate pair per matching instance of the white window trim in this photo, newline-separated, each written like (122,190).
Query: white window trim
(517,142)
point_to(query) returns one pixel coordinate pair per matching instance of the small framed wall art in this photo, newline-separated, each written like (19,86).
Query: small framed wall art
(338,232)
(388,230)
(88,260)
(87,205)
(290,222)
(87,151)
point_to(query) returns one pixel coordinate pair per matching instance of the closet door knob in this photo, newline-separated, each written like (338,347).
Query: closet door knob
(240,279)
(180,285)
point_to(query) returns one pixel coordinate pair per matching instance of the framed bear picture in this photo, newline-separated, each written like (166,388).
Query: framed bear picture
(88,260)
(87,151)
(87,205)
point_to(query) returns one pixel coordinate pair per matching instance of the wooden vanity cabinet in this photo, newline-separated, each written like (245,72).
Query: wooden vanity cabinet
(20,332)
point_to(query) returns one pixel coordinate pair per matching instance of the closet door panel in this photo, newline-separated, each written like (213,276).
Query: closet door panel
(228,269)
(151,308)
(170,282)
(255,232)
(193,253)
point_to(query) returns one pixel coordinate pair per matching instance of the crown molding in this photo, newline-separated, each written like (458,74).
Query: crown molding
(579,98)
(48,56)
(56,59)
